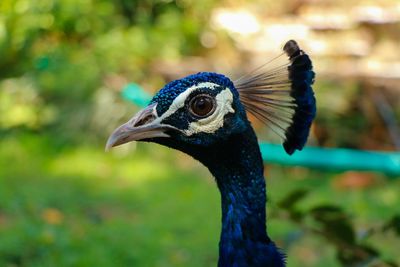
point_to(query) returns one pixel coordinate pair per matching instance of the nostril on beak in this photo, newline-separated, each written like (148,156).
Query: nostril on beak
(144,120)
(145,116)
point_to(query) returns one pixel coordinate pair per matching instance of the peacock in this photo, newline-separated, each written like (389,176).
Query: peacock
(204,116)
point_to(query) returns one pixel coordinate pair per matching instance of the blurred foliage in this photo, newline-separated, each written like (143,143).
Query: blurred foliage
(78,206)
(55,55)
(63,202)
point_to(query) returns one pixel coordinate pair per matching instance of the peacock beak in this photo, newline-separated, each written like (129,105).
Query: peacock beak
(144,125)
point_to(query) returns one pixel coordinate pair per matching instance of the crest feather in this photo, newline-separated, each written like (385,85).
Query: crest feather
(280,95)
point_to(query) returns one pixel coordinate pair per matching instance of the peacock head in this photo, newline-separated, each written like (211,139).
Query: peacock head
(198,110)
(206,108)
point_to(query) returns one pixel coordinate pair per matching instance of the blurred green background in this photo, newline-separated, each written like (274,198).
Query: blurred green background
(65,202)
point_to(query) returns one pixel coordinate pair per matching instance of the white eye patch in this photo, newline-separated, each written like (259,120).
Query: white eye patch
(216,120)
(211,123)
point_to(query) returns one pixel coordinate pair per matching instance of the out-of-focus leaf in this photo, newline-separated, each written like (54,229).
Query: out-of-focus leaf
(289,202)
(323,209)
(391,263)
(359,255)
(393,223)
(292,199)
(335,222)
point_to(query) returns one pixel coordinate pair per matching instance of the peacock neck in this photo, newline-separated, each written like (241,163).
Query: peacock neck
(239,173)
(238,168)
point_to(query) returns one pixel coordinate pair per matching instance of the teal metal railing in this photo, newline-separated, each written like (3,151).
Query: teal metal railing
(334,159)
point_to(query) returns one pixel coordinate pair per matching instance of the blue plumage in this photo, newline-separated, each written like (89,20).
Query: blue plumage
(171,90)
(204,115)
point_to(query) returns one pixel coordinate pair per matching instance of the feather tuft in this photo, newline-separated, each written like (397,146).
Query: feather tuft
(280,95)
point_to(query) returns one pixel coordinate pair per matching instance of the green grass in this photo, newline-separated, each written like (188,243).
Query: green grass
(148,206)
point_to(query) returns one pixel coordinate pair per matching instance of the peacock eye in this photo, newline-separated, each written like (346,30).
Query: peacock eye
(202,105)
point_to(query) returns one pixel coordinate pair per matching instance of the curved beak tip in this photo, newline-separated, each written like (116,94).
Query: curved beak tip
(109,145)
(118,136)
(143,125)
(113,140)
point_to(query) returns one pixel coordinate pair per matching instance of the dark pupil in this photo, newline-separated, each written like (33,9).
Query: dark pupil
(202,106)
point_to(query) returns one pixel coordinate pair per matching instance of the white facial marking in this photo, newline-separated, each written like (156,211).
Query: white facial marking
(179,101)
(213,122)
(216,120)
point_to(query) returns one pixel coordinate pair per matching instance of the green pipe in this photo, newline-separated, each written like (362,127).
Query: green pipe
(334,159)
(134,93)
